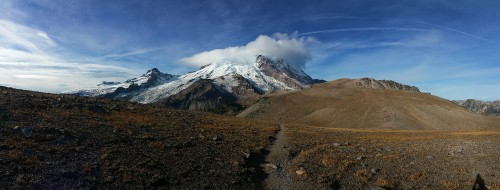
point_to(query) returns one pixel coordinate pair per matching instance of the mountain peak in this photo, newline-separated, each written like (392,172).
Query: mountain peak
(153,71)
(280,70)
(280,62)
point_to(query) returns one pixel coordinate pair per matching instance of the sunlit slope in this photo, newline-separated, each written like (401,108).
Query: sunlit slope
(344,103)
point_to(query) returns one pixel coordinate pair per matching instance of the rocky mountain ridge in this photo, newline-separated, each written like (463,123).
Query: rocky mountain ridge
(384,84)
(124,90)
(482,107)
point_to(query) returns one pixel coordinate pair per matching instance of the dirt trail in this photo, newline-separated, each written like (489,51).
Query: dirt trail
(277,163)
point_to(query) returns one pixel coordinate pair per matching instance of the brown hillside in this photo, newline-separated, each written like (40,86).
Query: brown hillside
(344,103)
(52,141)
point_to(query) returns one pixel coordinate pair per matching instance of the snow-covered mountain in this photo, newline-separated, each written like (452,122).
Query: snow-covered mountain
(235,76)
(152,78)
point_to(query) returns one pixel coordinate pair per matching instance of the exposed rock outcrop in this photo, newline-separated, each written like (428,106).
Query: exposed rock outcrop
(384,84)
(483,107)
(285,73)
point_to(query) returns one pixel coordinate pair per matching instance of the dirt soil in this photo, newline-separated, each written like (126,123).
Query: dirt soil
(335,158)
(64,142)
(276,164)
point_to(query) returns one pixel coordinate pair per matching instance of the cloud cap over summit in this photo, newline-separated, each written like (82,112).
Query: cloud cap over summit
(289,47)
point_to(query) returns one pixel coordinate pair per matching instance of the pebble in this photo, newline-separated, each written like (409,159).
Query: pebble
(430,157)
(16,127)
(361,158)
(247,155)
(374,170)
(272,166)
(300,172)
(218,138)
(27,131)
(364,165)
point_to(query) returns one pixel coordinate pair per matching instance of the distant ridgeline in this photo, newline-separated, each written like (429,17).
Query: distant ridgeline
(385,84)
(483,107)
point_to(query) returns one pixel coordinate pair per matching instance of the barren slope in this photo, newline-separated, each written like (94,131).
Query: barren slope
(342,103)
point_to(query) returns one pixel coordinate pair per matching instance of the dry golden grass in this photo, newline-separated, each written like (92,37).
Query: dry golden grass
(338,105)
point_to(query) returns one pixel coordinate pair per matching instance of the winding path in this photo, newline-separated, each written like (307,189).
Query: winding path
(277,163)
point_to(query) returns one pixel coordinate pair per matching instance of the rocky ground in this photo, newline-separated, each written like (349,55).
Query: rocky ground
(65,142)
(329,158)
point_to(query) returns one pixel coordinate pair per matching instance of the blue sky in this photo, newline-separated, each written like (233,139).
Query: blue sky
(448,48)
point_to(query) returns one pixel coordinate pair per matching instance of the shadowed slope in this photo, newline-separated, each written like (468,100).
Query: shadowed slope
(50,141)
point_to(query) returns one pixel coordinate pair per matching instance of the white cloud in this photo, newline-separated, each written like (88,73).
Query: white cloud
(30,59)
(289,47)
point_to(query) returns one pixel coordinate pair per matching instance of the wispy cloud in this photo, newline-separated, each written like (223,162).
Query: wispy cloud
(45,38)
(364,29)
(427,39)
(29,59)
(456,31)
(332,17)
(441,27)
(132,53)
(8,11)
